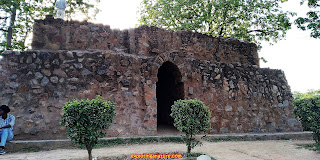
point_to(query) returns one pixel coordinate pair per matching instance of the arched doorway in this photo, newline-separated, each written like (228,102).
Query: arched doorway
(169,89)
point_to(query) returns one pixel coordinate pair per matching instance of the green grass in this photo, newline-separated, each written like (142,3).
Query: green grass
(211,139)
(31,149)
(139,140)
(244,138)
(172,139)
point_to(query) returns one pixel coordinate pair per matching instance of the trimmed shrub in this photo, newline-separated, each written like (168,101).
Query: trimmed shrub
(307,110)
(191,117)
(85,120)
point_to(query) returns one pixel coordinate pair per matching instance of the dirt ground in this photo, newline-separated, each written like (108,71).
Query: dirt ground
(244,150)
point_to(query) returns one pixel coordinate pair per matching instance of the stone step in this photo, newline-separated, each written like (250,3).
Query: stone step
(37,145)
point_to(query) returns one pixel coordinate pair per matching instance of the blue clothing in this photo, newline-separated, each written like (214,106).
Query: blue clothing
(6,136)
(9,120)
(61,4)
(6,133)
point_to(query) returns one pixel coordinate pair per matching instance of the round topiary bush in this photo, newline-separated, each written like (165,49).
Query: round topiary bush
(85,120)
(191,117)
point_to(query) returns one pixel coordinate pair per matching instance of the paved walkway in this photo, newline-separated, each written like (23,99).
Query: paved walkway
(242,150)
(17,146)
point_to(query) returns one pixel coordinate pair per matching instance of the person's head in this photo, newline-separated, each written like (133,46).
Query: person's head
(4,109)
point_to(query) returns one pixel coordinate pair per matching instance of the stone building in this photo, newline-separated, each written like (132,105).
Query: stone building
(143,71)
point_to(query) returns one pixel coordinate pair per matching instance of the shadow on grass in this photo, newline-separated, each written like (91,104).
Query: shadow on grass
(312,147)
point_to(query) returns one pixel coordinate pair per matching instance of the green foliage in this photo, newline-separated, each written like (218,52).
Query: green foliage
(19,15)
(137,140)
(307,110)
(172,139)
(310,93)
(85,120)
(191,117)
(210,139)
(252,20)
(312,20)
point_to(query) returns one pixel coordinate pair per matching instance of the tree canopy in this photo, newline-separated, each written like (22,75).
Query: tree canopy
(17,18)
(307,110)
(312,21)
(191,117)
(252,20)
(86,120)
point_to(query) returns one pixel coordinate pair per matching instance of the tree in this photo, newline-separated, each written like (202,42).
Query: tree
(17,18)
(312,21)
(307,110)
(191,117)
(85,120)
(252,20)
(310,93)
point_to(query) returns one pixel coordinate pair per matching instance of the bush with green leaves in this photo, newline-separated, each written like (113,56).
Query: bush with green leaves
(191,117)
(307,110)
(86,120)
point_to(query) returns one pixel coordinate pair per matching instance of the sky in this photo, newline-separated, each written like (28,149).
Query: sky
(298,55)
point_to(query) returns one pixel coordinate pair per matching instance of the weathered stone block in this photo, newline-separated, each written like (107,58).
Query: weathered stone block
(60,73)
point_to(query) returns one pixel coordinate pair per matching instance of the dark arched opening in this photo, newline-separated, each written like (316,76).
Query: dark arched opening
(169,89)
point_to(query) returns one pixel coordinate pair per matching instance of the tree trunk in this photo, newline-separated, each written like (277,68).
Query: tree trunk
(10,31)
(189,149)
(226,9)
(89,149)
(209,14)
(26,35)
(189,142)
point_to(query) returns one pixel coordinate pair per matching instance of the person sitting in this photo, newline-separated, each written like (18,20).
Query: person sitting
(6,126)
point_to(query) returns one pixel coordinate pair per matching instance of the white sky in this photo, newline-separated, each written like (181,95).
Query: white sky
(298,56)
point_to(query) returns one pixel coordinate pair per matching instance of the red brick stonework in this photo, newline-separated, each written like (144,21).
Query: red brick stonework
(143,71)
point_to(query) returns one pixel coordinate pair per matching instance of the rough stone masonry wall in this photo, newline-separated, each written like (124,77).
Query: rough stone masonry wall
(36,85)
(55,34)
(223,73)
(243,98)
